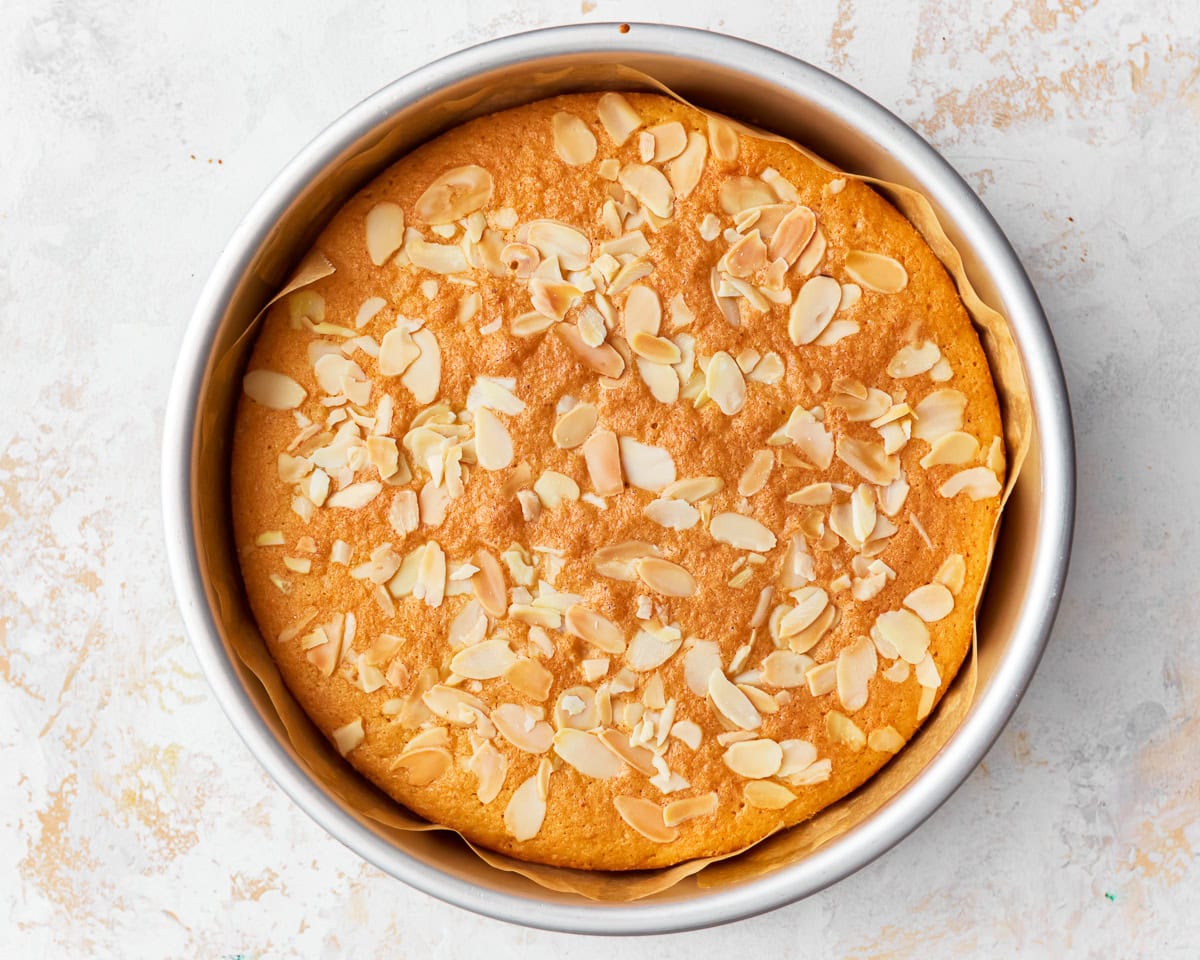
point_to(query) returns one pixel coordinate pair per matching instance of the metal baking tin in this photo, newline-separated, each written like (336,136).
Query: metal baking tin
(745,80)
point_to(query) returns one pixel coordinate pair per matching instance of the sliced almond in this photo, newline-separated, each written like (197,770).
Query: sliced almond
(939,413)
(913,360)
(754,477)
(875,271)
(785,669)
(488,584)
(642,312)
(423,766)
(685,170)
(856,665)
(349,736)
(441,258)
(662,381)
(725,384)
(952,573)
(595,629)
(841,729)
(454,195)
(655,349)
(810,636)
(587,754)
(423,377)
(811,438)
(568,245)
(931,603)
(273,390)
(493,445)
(885,739)
(554,489)
(397,351)
(574,426)
(514,725)
(649,186)
(483,661)
(813,308)
(951,448)
(732,703)
(618,117)
(792,235)
(665,577)
(742,532)
(978,483)
(747,256)
(574,143)
(602,455)
(810,603)
(525,811)
(694,489)
(767,795)
(646,817)
(669,140)
(491,767)
(754,759)
(672,514)
(868,459)
(603,359)
(356,496)
(723,138)
(822,678)
(639,758)
(814,495)
(384,226)
(904,632)
(645,466)
(689,808)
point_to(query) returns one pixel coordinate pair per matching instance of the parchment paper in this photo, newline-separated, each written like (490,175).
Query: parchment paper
(785,846)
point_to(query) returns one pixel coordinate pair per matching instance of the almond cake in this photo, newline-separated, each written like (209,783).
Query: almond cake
(626,491)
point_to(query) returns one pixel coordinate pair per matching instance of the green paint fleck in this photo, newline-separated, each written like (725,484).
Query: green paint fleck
(1110,897)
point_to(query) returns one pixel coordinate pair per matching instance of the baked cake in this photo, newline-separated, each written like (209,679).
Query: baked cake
(625,492)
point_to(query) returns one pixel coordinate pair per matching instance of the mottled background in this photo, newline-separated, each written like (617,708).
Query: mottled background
(133,135)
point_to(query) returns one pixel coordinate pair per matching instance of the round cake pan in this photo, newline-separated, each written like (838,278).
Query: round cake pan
(744,80)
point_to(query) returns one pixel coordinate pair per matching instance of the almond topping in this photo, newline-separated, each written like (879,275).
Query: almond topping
(347,737)
(618,117)
(931,602)
(661,380)
(978,483)
(665,577)
(384,226)
(483,661)
(553,239)
(952,573)
(493,445)
(650,187)
(723,139)
(491,767)
(754,759)
(601,453)
(742,532)
(423,765)
(685,170)
(488,584)
(397,351)
(525,811)
(273,390)
(885,739)
(732,703)
(754,477)
(574,143)
(646,467)
(785,669)
(841,729)
(655,349)
(587,754)
(910,361)
(767,795)
(518,728)
(669,140)
(599,631)
(876,271)
(725,383)
(813,308)
(639,758)
(454,194)
(868,460)
(646,817)
(603,359)
(792,235)
(424,376)
(951,448)
(688,808)
(356,496)
(574,426)
(856,665)
(694,489)
(904,632)
(553,488)
(672,514)
(938,414)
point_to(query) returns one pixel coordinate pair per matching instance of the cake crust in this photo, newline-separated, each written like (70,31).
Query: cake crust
(617,671)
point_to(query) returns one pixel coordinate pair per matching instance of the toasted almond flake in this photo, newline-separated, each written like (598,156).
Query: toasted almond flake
(904,632)
(913,360)
(978,483)
(530,324)
(810,636)
(574,426)
(468,626)
(488,584)
(645,466)
(868,460)
(305,304)
(273,390)
(641,313)
(785,669)
(732,703)
(995,456)
(423,765)
(725,384)
(700,660)
(424,375)
(689,808)
(885,739)
(430,584)
(665,577)
(875,271)
(742,532)
(662,381)
(723,138)
(440,258)
(710,227)
(454,195)
(355,496)
(349,736)
(587,754)
(629,274)
(655,349)
(651,188)
(616,560)
(397,351)
(568,245)
(599,631)
(574,143)
(747,256)
(822,678)
(856,665)
(493,445)
(554,488)
(483,661)
(670,139)
(815,494)
(603,359)
(938,414)
(754,477)
(672,514)
(927,673)
(841,729)
(646,817)
(952,573)
(754,759)
(685,170)
(694,489)
(491,767)
(931,602)
(767,795)
(521,258)
(384,226)
(601,454)
(618,117)
(812,255)
(637,757)
(810,603)
(512,721)
(813,308)
(525,811)
(941,371)
(898,672)
(792,235)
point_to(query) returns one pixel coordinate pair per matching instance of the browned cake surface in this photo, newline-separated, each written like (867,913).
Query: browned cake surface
(786,571)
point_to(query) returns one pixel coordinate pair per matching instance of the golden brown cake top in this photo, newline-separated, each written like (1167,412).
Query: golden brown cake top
(625,492)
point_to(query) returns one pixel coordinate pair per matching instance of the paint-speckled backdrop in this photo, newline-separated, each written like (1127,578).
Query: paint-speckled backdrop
(132,137)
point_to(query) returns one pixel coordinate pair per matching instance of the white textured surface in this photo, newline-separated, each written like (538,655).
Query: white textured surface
(136,824)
